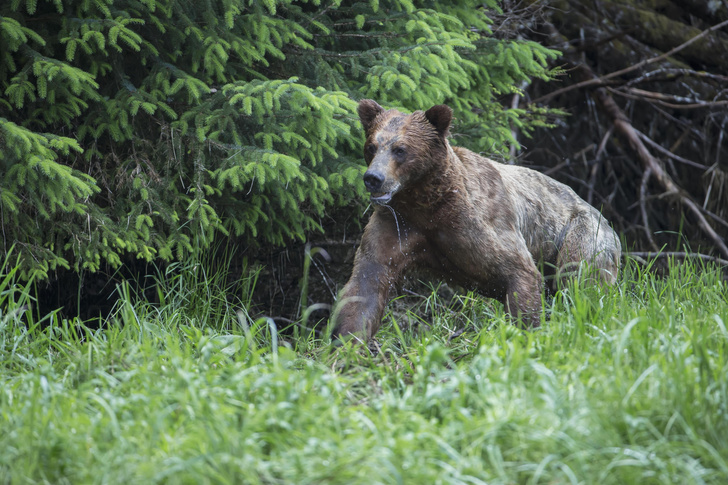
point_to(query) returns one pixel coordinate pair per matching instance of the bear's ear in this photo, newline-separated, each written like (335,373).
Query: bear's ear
(440,117)
(368,111)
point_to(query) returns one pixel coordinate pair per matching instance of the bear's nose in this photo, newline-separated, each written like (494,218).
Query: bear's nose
(373,181)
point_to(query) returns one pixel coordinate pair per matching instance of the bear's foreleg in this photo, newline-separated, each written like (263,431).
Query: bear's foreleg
(378,267)
(361,305)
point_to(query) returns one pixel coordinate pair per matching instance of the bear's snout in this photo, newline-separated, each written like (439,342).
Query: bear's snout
(380,187)
(373,181)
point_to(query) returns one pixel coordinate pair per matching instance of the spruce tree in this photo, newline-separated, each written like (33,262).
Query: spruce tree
(147,128)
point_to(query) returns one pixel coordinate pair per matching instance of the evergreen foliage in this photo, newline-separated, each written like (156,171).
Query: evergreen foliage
(146,128)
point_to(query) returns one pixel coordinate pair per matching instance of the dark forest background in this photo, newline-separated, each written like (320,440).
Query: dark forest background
(647,95)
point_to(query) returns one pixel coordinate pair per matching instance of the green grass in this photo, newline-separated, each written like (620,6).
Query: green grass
(623,386)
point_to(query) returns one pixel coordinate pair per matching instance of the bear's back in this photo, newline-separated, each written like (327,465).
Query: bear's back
(543,208)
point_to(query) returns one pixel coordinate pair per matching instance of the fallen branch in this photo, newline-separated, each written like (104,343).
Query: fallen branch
(650,254)
(623,126)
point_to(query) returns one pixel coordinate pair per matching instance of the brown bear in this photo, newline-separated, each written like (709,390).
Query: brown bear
(469,220)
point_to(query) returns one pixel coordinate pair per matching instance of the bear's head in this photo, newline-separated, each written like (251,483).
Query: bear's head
(400,149)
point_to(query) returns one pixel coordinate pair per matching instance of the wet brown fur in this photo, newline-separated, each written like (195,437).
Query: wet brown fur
(467,219)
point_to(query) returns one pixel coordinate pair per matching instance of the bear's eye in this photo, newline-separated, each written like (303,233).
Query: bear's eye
(371,149)
(399,152)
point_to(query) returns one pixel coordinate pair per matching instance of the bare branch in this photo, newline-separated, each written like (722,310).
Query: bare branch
(643,208)
(652,97)
(598,81)
(672,73)
(668,153)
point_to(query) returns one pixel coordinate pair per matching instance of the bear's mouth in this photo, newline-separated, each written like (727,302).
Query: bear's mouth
(381,198)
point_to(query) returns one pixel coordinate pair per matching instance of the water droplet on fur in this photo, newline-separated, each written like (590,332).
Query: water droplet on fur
(396,223)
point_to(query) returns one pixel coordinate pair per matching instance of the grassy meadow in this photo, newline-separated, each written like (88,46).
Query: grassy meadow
(623,386)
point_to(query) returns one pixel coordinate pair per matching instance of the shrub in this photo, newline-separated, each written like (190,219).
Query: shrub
(147,128)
